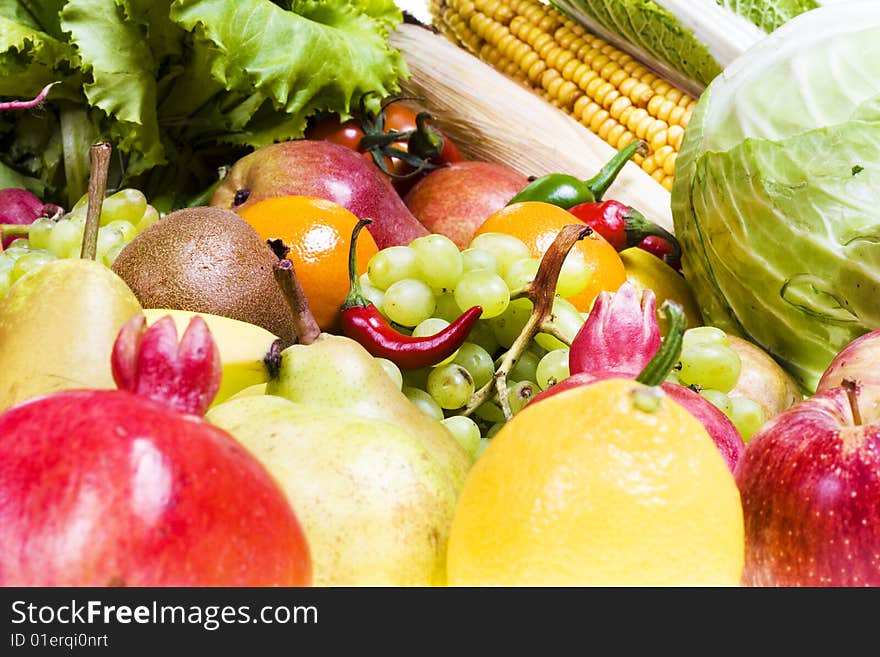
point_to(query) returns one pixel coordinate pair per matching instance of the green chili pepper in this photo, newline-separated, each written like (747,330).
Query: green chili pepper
(567,191)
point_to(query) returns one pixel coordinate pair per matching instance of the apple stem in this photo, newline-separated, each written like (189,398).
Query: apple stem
(852,394)
(99,154)
(307,329)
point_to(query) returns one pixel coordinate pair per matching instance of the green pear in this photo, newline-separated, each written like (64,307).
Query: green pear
(375,506)
(337,372)
(58,324)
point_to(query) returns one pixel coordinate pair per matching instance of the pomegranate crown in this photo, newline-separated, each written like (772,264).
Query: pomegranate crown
(621,334)
(150,362)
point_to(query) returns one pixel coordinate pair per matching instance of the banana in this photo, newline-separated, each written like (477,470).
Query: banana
(243,348)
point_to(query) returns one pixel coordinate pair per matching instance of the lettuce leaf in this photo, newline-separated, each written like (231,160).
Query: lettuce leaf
(181,87)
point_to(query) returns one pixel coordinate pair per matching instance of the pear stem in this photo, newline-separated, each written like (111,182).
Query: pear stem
(852,394)
(99,156)
(307,329)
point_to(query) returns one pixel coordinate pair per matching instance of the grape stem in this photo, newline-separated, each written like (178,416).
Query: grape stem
(99,155)
(541,292)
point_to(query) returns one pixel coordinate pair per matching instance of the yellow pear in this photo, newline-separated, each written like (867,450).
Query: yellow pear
(58,324)
(375,505)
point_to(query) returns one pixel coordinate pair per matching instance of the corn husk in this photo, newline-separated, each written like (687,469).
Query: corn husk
(492,117)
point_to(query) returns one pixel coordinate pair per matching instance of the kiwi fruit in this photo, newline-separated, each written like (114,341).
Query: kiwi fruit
(209,260)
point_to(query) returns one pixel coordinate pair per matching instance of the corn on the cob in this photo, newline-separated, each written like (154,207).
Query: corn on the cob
(604,88)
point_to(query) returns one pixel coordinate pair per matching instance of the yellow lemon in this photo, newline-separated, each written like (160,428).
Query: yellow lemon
(607,484)
(645,270)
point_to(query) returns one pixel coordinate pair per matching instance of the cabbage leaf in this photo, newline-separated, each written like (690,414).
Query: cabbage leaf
(777,188)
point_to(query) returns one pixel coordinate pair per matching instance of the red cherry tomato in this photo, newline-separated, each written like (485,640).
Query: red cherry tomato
(398,118)
(328,128)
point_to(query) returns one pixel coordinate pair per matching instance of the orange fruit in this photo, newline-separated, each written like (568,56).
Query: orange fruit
(606,484)
(537,224)
(318,233)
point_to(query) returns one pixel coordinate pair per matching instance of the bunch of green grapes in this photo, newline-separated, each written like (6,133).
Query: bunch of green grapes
(124,214)
(425,286)
(710,365)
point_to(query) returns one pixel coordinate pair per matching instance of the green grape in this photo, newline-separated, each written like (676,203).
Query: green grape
(126,229)
(446,307)
(747,415)
(509,324)
(484,443)
(485,289)
(392,370)
(81,205)
(489,411)
(431,326)
(495,428)
(552,368)
(465,431)
(567,320)
(424,402)
(507,249)
(39,233)
(65,239)
(125,205)
(373,294)
(439,260)
(112,253)
(574,276)
(477,361)
(475,258)
(408,302)
(151,216)
(417,378)
(6,265)
(521,272)
(525,367)
(708,363)
(451,386)
(29,262)
(705,335)
(483,335)
(718,399)
(519,394)
(17,249)
(392,264)
(109,237)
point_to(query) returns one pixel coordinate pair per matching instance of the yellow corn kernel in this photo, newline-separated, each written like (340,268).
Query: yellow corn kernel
(604,88)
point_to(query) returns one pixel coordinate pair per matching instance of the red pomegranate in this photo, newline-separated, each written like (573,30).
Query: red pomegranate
(133,487)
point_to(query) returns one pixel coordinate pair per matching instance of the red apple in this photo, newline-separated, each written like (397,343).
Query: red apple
(456,199)
(810,486)
(132,487)
(857,361)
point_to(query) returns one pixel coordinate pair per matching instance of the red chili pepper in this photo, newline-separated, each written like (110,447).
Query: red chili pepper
(361,321)
(659,247)
(624,226)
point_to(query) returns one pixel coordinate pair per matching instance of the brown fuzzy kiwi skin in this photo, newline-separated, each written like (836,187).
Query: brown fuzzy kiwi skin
(209,260)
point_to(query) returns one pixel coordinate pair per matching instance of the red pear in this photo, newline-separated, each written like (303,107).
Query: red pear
(456,199)
(308,167)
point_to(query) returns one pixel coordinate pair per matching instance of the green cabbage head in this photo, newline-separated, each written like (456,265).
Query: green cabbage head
(776,197)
